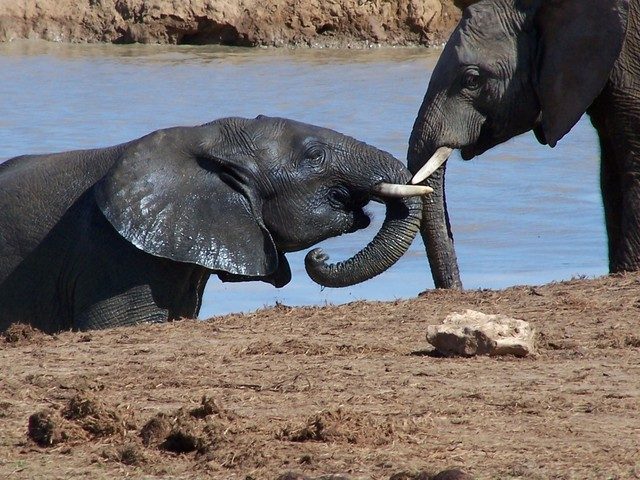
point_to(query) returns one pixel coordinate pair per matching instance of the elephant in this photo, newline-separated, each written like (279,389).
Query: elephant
(511,66)
(128,234)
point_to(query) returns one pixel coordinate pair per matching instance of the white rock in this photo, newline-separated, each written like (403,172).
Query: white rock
(475,333)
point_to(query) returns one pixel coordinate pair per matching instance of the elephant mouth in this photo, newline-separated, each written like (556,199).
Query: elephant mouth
(487,139)
(467,153)
(361,220)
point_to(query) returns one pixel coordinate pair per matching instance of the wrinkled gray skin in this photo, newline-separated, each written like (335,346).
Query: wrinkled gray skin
(515,65)
(130,234)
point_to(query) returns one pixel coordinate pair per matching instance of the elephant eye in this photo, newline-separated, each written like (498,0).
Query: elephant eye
(338,196)
(314,155)
(471,79)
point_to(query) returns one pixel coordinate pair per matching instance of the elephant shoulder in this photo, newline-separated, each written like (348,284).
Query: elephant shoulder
(36,190)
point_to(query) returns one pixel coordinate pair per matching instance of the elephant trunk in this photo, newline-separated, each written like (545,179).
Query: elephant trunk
(401,224)
(435,228)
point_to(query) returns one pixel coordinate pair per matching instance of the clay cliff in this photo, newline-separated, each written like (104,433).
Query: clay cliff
(339,23)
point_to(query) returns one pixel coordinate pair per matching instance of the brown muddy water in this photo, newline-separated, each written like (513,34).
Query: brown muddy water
(522,213)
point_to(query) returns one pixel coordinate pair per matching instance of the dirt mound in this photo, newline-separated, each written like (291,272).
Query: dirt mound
(244,22)
(340,426)
(200,429)
(21,334)
(444,475)
(454,474)
(214,437)
(295,346)
(47,428)
(81,417)
(94,416)
(287,347)
(182,434)
(330,392)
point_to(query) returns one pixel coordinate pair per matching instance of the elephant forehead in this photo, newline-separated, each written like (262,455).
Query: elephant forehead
(304,133)
(487,26)
(485,43)
(305,137)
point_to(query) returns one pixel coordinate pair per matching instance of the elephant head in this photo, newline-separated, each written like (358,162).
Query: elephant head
(236,194)
(510,66)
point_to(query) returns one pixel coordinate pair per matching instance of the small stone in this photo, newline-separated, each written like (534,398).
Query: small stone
(476,333)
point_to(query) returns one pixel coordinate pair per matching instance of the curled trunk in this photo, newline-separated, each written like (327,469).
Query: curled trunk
(400,227)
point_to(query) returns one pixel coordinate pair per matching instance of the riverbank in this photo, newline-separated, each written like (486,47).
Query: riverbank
(349,389)
(333,23)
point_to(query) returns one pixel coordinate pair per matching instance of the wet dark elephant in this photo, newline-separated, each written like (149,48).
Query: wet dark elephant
(131,233)
(512,66)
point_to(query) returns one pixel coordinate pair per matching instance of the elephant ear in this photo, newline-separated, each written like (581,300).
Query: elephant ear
(176,194)
(580,41)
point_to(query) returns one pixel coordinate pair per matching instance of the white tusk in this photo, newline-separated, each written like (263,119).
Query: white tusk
(438,158)
(400,191)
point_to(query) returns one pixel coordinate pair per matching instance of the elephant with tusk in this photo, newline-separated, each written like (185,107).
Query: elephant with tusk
(131,233)
(512,66)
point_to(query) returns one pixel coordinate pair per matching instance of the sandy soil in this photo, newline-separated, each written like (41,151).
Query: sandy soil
(349,390)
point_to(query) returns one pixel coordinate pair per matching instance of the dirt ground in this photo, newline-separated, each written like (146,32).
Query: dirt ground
(351,390)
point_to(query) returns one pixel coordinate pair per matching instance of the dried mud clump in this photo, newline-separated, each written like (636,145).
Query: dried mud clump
(453,474)
(83,415)
(44,429)
(291,346)
(411,476)
(94,416)
(339,426)
(632,341)
(130,454)
(300,476)
(22,334)
(185,439)
(210,406)
(197,430)
(47,428)
(155,430)
(5,409)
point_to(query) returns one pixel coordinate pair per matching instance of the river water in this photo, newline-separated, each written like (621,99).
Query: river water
(522,213)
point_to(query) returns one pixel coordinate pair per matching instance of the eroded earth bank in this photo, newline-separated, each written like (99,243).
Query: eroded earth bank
(337,23)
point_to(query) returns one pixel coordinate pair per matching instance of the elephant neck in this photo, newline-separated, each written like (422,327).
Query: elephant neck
(615,113)
(626,70)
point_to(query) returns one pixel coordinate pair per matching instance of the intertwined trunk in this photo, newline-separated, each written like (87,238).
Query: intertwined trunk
(435,229)
(401,225)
